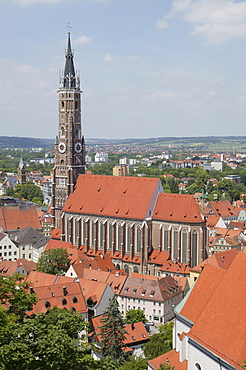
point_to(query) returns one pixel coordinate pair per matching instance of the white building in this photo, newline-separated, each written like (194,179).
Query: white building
(101,157)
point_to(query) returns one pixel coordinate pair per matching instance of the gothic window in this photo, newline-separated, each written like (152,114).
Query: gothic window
(175,244)
(62,161)
(76,105)
(76,231)
(166,239)
(101,234)
(119,237)
(126,268)
(76,133)
(194,239)
(62,104)
(62,131)
(184,247)
(135,269)
(138,241)
(110,236)
(128,238)
(84,232)
(92,233)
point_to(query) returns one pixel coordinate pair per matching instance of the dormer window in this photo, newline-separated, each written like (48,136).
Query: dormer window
(47,304)
(143,292)
(75,300)
(135,290)
(64,301)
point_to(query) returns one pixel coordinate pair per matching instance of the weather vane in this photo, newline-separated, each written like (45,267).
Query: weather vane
(68,26)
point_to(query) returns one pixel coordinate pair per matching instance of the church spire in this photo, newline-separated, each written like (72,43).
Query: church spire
(69,78)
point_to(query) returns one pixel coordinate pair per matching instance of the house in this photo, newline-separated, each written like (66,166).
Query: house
(30,242)
(223,209)
(8,249)
(19,266)
(171,358)
(157,297)
(208,333)
(136,336)
(16,218)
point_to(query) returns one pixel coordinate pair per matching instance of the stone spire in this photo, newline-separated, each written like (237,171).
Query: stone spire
(69,78)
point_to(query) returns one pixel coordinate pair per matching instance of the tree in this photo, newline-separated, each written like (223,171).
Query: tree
(160,343)
(15,297)
(112,331)
(28,191)
(166,366)
(53,261)
(133,316)
(135,363)
(46,341)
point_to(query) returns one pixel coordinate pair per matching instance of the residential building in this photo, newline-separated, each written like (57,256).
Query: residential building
(15,218)
(121,170)
(19,266)
(157,297)
(8,249)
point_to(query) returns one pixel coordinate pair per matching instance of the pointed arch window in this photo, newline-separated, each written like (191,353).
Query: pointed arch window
(110,235)
(175,243)
(62,131)
(166,238)
(93,233)
(138,241)
(101,234)
(84,229)
(128,238)
(119,237)
(184,247)
(194,245)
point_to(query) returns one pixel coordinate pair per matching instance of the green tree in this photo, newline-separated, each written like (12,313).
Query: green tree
(112,331)
(134,363)
(133,316)
(159,343)
(53,261)
(47,341)
(28,191)
(14,295)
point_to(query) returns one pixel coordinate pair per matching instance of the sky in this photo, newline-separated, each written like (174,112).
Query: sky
(148,68)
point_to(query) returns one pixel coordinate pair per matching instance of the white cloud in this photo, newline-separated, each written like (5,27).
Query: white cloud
(162,23)
(215,21)
(82,40)
(162,95)
(132,58)
(27,69)
(108,58)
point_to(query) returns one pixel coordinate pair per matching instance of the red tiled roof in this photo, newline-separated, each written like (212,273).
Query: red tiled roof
(55,244)
(221,259)
(171,358)
(59,295)
(39,279)
(56,233)
(221,321)
(18,217)
(223,208)
(114,196)
(177,207)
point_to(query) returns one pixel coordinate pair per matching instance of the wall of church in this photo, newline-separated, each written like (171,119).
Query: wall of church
(185,243)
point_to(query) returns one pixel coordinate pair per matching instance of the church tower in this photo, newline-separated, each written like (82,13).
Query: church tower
(21,173)
(69,146)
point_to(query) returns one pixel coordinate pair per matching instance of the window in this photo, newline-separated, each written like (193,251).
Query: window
(9,246)
(198,366)
(138,243)
(110,235)
(64,301)
(128,238)
(84,232)
(175,244)
(23,256)
(119,237)
(101,234)
(166,239)
(30,255)
(92,233)
(23,247)
(194,248)
(184,247)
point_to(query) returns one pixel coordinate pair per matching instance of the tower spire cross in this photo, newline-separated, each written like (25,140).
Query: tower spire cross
(69,27)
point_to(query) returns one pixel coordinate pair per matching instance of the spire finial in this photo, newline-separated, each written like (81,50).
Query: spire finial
(68,26)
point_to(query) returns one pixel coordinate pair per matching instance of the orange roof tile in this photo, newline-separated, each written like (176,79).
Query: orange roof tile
(56,233)
(39,279)
(19,217)
(221,327)
(177,207)
(221,259)
(171,358)
(55,244)
(114,196)
(223,208)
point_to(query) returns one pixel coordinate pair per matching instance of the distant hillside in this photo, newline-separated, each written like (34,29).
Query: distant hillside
(24,142)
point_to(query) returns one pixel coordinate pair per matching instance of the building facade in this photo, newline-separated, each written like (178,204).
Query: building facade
(69,146)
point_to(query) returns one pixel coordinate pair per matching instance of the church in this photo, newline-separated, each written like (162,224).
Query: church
(128,218)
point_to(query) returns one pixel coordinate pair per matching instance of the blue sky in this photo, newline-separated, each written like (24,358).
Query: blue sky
(148,68)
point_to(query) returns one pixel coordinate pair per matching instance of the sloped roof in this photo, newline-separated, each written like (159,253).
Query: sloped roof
(177,207)
(175,267)
(155,289)
(171,358)
(56,233)
(158,258)
(92,289)
(221,324)
(67,296)
(39,279)
(19,217)
(221,259)
(212,221)
(223,208)
(113,196)
(55,244)
(28,235)
(8,268)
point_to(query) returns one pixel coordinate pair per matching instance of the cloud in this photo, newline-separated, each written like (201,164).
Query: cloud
(132,58)
(162,23)
(108,58)
(27,69)
(162,95)
(82,40)
(215,21)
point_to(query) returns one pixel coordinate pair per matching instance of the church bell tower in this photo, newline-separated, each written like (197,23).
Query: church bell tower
(69,145)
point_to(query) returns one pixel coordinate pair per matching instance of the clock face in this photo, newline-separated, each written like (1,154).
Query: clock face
(62,148)
(78,147)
